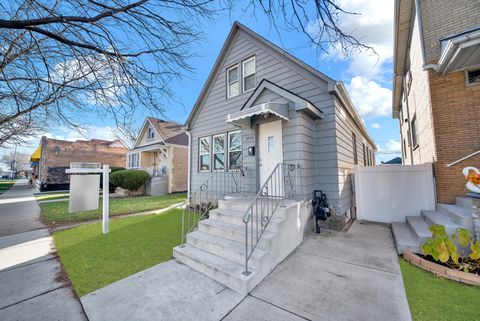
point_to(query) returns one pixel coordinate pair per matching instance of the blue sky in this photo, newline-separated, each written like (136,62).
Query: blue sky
(368,77)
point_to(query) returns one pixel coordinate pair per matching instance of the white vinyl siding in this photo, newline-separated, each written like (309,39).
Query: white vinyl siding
(233,83)
(248,72)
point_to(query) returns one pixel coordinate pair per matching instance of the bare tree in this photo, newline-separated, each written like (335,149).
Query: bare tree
(63,59)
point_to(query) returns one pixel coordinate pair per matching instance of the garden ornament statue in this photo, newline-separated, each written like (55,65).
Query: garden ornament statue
(472,175)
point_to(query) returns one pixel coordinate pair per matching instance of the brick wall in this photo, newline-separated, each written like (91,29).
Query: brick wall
(442,18)
(456,112)
(60,153)
(418,105)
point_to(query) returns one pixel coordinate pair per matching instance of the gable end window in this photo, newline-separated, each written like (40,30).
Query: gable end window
(204,154)
(473,77)
(233,84)
(151,133)
(248,73)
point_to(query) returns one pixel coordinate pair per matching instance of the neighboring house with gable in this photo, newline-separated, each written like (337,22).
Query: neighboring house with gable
(261,107)
(161,149)
(436,99)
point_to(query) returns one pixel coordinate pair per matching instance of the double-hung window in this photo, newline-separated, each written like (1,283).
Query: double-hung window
(233,83)
(235,150)
(355,154)
(133,161)
(414,132)
(204,154)
(219,152)
(151,133)
(248,72)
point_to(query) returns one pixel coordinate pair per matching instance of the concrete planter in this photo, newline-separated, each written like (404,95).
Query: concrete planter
(442,271)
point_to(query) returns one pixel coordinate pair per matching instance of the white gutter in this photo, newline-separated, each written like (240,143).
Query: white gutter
(189,161)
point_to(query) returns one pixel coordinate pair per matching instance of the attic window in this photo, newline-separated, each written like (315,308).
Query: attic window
(473,77)
(233,85)
(151,133)
(248,71)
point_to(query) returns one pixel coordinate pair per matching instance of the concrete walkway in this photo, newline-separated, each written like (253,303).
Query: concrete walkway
(19,211)
(32,283)
(332,276)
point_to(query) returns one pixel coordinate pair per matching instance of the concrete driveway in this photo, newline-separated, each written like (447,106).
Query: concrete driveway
(32,283)
(332,276)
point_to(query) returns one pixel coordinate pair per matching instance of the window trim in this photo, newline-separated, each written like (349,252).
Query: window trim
(364,155)
(467,81)
(355,152)
(229,82)
(130,160)
(254,73)
(150,130)
(229,150)
(200,154)
(415,137)
(214,153)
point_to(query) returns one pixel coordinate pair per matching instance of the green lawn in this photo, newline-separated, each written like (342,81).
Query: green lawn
(5,185)
(433,298)
(93,260)
(57,212)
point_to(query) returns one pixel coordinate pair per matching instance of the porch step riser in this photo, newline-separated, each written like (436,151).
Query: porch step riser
(457,214)
(222,251)
(233,205)
(238,220)
(465,202)
(211,271)
(234,235)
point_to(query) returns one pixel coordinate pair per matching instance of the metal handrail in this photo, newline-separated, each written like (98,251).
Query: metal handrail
(279,186)
(206,197)
(463,158)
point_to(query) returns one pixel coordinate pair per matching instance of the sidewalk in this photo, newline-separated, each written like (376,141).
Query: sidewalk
(19,211)
(33,284)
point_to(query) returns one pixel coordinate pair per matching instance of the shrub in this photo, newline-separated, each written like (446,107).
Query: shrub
(129,179)
(110,185)
(442,248)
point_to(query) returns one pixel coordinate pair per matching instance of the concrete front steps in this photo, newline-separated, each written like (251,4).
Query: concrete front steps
(411,234)
(217,247)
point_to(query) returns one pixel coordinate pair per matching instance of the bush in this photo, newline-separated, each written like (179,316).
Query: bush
(110,185)
(443,248)
(129,179)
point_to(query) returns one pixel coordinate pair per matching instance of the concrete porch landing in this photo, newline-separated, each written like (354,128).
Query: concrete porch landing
(332,276)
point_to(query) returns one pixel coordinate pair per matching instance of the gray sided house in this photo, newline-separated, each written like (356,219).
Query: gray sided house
(261,106)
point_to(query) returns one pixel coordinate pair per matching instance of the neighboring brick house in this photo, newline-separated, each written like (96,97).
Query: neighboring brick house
(53,156)
(437,88)
(161,149)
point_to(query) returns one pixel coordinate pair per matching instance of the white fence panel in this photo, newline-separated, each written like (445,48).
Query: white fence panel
(389,193)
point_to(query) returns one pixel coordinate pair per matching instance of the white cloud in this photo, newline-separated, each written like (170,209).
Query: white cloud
(391,149)
(375,125)
(369,97)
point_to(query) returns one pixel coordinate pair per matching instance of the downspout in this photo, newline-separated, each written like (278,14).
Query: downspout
(189,181)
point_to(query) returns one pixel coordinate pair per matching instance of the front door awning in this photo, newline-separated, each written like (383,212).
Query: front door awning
(37,154)
(242,118)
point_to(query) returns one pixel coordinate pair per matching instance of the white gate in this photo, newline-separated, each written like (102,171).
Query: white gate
(389,193)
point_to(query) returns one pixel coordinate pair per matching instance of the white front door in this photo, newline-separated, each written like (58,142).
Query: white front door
(270,152)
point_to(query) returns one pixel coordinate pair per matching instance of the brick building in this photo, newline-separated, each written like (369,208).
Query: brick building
(437,88)
(53,156)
